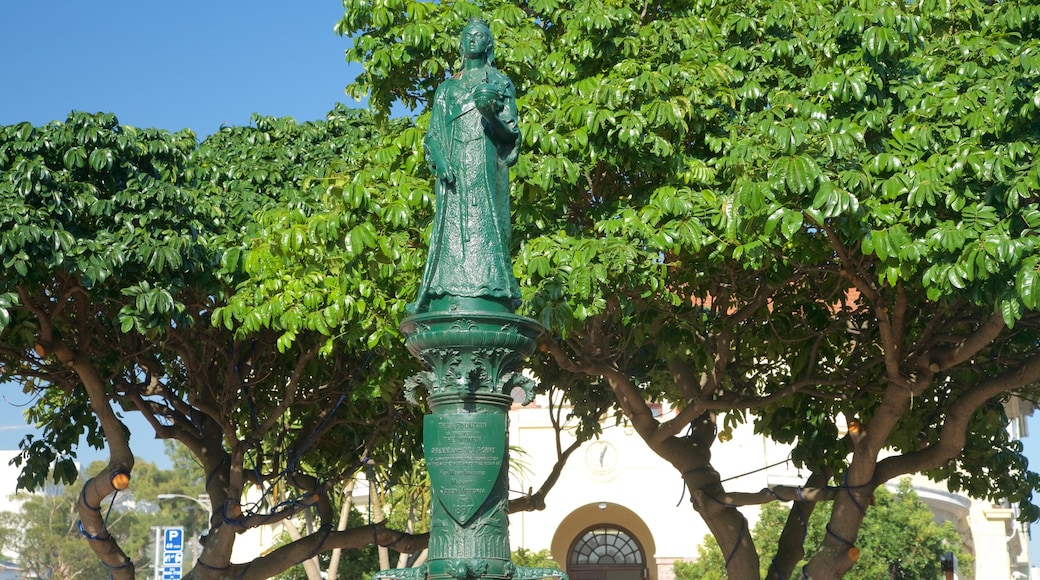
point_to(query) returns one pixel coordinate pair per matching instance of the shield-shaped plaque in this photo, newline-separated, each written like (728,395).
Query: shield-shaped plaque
(465,454)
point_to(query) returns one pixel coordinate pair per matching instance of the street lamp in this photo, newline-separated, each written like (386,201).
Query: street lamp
(203,501)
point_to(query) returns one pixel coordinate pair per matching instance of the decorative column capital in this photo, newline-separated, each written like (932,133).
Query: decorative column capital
(471,355)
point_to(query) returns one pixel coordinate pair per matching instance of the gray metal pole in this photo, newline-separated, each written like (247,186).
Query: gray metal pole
(158,553)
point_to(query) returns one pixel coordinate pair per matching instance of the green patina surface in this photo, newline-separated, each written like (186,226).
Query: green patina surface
(463,327)
(472,141)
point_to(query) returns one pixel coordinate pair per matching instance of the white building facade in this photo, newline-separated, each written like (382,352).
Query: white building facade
(619,512)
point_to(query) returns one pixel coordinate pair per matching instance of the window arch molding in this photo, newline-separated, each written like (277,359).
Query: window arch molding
(603,513)
(606,547)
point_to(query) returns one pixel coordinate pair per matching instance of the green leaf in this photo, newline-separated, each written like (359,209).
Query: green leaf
(101,159)
(1011,312)
(792,223)
(1027,283)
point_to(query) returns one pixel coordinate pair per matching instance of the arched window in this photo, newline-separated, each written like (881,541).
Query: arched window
(603,552)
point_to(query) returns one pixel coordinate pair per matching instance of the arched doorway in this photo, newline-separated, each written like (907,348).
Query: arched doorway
(606,552)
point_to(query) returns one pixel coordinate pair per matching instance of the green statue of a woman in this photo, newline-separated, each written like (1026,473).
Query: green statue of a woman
(472,141)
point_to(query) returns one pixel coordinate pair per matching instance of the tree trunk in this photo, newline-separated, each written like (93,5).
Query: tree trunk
(376,505)
(344,515)
(403,557)
(311,566)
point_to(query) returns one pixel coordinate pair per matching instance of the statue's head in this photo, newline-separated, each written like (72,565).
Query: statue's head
(473,29)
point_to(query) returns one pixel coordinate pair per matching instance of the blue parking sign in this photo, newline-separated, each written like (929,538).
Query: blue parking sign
(171,573)
(174,539)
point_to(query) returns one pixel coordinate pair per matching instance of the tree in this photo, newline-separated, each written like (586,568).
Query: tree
(900,539)
(45,537)
(120,249)
(800,214)
(527,558)
(238,294)
(49,544)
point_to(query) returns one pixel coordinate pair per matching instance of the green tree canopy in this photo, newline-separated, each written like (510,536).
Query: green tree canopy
(120,251)
(804,214)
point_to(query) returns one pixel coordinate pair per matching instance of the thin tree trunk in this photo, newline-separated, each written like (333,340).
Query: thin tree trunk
(311,566)
(376,505)
(402,558)
(344,515)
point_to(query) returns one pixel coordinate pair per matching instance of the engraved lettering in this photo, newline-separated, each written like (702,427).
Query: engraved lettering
(467,455)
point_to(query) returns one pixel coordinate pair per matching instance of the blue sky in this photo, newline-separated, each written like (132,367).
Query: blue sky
(174,65)
(191,63)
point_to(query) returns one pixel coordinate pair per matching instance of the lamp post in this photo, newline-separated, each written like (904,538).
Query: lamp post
(203,501)
(157,558)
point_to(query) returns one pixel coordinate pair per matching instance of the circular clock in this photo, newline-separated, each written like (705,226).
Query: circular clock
(601,457)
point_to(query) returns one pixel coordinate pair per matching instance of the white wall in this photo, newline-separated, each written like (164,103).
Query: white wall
(635,478)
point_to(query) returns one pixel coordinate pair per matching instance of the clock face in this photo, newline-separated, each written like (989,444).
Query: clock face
(601,457)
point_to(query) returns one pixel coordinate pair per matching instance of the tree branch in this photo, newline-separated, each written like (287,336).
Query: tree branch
(953,435)
(325,538)
(536,501)
(967,347)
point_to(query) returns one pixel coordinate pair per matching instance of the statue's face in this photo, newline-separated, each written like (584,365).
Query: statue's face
(475,41)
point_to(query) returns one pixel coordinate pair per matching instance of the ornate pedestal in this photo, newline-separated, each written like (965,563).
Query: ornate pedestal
(474,359)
